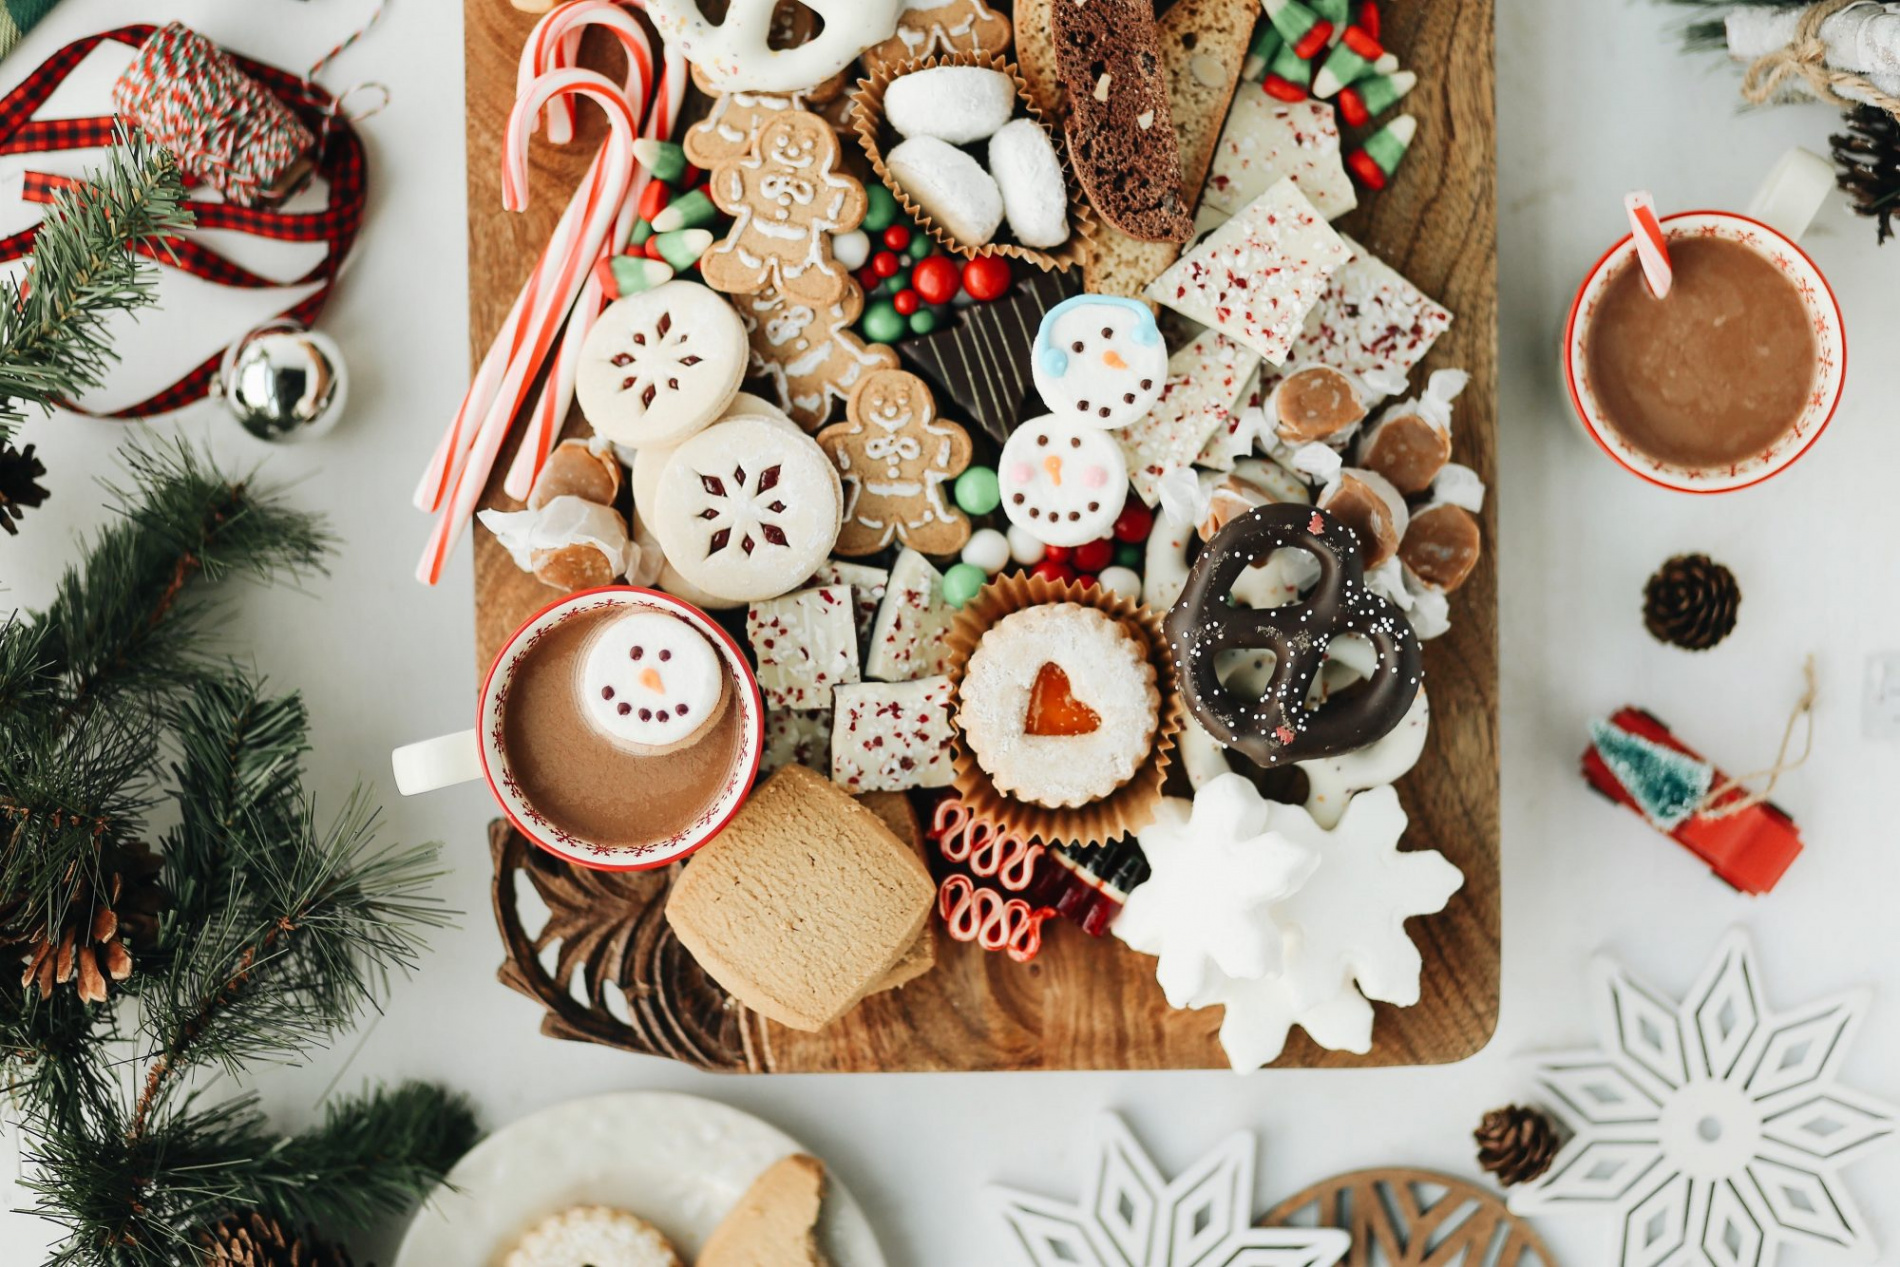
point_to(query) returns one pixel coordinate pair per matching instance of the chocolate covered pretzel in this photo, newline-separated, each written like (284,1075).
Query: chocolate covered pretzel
(1279,727)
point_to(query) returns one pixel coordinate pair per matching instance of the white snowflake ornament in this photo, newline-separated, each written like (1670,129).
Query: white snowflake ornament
(1219,864)
(1130,1216)
(1713,1128)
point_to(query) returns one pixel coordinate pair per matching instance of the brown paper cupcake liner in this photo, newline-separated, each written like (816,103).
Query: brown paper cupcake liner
(868,110)
(1131,806)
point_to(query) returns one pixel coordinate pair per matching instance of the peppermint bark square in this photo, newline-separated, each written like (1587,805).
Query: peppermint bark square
(1205,378)
(1267,140)
(1256,277)
(867,591)
(806,644)
(892,736)
(796,737)
(911,636)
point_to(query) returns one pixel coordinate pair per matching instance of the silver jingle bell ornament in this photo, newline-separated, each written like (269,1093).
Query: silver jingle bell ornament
(284,383)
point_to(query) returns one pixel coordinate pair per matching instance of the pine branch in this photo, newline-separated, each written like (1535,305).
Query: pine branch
(53,343)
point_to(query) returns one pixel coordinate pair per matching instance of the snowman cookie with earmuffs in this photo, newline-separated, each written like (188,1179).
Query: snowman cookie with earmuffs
(1099,364)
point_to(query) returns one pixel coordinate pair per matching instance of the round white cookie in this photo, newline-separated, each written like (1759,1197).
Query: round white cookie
(1024,165)
(651,683)
(747,509)
(951,187)
(958,104)
(660,365)
(1099,360)
(738,52)
(1062,484)
(592,1236)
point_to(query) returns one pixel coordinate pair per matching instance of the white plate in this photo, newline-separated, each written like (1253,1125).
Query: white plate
(677,1161)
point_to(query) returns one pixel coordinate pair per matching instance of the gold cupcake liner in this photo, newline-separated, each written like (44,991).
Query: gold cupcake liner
(1129,807)
(868,111)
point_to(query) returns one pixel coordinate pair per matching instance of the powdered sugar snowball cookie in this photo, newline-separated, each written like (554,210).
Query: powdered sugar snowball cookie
(1058,705)
(592,1236)
(747,509)
(737,53)
(1024,165)
(660,365)
(958,104)
(1099,360)
(951,187)
(1062,482)
(651,683)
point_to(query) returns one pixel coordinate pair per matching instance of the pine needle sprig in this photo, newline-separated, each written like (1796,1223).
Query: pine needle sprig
(85,267)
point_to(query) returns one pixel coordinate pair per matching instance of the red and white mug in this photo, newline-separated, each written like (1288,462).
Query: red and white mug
(1777,217)
(480,754)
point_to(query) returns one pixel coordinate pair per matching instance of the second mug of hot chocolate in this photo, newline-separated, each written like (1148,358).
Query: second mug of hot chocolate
(1735,373)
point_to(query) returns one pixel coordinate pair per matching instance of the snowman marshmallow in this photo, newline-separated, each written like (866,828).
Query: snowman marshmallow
(1099,361)
(651,683)
(1062,484)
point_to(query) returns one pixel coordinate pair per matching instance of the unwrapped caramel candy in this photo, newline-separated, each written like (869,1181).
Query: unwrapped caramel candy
(1442,544)
(1407,449)
(1366,502)
(1317,402)
(577,468)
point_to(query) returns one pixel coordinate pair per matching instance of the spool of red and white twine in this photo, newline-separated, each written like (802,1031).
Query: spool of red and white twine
(228,131)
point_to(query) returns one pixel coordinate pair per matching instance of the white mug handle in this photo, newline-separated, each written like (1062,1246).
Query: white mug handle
(1794,191)
(436,763)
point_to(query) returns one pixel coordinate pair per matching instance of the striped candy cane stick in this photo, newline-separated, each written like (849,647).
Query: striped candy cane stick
(563,278)
(1652,249)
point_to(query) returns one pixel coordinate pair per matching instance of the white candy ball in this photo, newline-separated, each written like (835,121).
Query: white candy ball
(1120,580)
(851,249)
(987,549)
(1024,548)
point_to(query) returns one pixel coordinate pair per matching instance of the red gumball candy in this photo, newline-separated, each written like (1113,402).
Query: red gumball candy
(986,277)
(935,278)
(1086,580)
(868,278)
(886,264)
(1135,522)
(1093,556)
(897,237)
(905,301)
(1058,554)
(1051,570)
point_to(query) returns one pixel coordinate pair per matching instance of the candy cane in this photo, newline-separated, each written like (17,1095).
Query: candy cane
(556,285)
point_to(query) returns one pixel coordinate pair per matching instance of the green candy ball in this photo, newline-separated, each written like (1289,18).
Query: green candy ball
(977,493)
(961,583)
(882,209)
(1130,556)
(883,323)
(923,321)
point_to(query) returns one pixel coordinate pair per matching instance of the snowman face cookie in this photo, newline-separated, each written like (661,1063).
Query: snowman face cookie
(652,683)
(1099,361)
(1063,484)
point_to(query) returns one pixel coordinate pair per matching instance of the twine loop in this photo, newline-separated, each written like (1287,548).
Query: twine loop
(1805,58)
(1714,806)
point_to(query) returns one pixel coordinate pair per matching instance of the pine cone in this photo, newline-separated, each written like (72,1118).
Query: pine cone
(255,1240)
(1868,158)
(20,488)
(1516,1144)
(1691,602)
(88,945)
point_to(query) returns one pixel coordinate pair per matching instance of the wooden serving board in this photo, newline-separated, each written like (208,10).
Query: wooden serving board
(1085,1003)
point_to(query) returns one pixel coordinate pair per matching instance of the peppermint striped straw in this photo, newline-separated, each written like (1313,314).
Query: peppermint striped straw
(1652,249)
(557,283)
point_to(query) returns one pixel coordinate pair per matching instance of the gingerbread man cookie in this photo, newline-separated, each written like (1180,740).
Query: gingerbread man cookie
(895,456)
(808,354)
(787,199)
(925,27)
(730,130)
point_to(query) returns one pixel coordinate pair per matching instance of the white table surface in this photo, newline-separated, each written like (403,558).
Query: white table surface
(1593,99)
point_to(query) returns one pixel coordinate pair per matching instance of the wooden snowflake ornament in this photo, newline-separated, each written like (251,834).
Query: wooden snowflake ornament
(1714,1128)
(1130,1216)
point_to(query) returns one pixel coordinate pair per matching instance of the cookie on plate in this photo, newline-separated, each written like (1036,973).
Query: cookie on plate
(775,1222)
(592,1236)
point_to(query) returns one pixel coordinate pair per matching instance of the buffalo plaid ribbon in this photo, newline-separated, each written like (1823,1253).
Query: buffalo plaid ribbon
(340,161)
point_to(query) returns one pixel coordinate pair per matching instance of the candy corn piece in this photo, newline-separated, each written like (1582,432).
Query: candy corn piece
(664,159)
(1374,162)
(653,199)
(1260,55)
(1337,12)
(1372,96)
(1289,75)
(642,230)
(621,275)
(682,247)
(1350,61)
(1369,18)
(1304,31)
(688,211)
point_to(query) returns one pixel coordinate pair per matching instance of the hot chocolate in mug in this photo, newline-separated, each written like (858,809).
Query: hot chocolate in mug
(1736,373)
(618,728)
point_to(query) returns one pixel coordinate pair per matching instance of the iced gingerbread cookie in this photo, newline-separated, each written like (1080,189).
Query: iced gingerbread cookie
(809,354)
(747,509)
(659,365)
(1058,705)
(652,683)
(928,27)
(592,1236)
(786,199)
(895,456)
(739,52)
